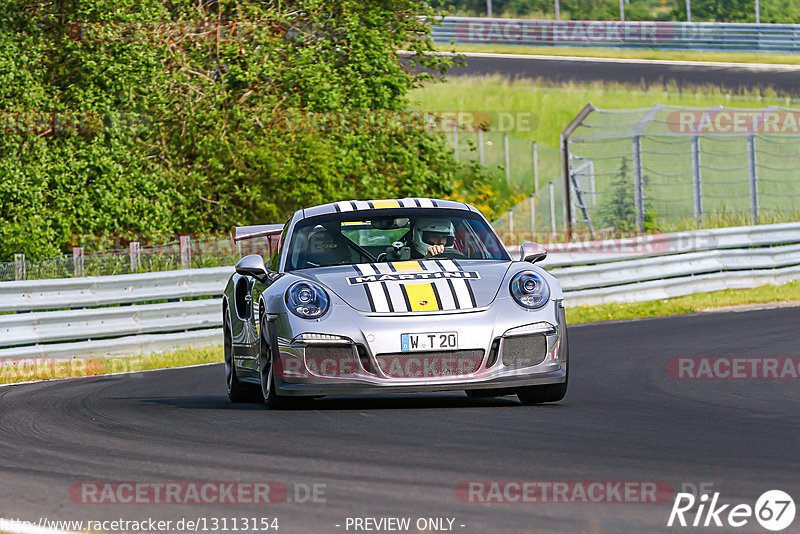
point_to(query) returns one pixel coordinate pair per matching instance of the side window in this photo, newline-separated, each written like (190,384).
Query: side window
(275,260)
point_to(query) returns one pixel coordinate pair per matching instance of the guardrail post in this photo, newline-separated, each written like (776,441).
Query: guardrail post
(77,261)
(638,186)
(186,251)
(19,267)
(508,160)
(136,261)
(753,176)
(480,146)
(696,181)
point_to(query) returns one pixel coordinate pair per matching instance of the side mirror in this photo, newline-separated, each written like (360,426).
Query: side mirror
(532,252)
(252,265)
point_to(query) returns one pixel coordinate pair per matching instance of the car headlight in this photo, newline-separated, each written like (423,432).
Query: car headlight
(530,289)
(307,300)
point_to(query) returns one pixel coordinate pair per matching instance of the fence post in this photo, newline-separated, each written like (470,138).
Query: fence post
(480,145)
(753,175)
(533,217)
(508,162)
(77,261)
(696,181)
(455,140)
(565,167)
(136,261)
(553,210)
(511,222)
(638,187)
(186,252)
(19,267)
(535,167)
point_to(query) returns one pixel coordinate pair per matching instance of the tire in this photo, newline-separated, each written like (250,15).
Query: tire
(549,392)
(237,392)
(269,393)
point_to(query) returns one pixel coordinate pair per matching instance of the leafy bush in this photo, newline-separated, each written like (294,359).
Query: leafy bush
(147,118)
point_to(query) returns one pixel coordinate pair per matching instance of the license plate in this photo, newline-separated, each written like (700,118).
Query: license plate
(428,341)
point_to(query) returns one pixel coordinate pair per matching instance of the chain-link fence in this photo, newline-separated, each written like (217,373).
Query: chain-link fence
(669,168)
(530,168)
(518,162)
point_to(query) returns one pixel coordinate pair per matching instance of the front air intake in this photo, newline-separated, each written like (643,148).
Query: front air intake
(524,351)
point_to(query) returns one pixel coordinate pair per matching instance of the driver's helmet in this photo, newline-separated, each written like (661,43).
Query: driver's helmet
(429,232)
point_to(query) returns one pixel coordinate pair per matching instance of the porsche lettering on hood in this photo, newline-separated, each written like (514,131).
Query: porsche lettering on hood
(414,286)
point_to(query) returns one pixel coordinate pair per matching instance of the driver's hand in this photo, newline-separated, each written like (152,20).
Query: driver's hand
(433,250)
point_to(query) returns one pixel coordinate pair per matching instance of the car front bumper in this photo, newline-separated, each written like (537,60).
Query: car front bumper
(353,353)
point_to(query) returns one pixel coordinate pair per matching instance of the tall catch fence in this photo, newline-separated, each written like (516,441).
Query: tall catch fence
(670,168)
(528,168)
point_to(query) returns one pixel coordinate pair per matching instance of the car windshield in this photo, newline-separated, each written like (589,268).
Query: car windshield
(392,235)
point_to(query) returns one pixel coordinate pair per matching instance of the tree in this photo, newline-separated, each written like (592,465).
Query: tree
(181,115)
(619,212)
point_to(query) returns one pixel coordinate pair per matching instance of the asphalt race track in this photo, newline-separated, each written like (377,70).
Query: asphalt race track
(785,81)
(624,419)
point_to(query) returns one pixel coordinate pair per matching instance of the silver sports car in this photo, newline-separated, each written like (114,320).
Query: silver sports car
(387,296)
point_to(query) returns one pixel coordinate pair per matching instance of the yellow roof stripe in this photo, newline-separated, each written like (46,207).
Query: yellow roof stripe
(421,297)
(386,204)
(406,266)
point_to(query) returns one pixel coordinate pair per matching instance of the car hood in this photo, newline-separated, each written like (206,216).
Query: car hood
(413,286)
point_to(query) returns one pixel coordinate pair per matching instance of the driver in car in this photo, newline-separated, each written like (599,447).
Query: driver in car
(432,237)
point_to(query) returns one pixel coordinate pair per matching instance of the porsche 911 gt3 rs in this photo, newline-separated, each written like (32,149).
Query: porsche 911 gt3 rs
(385,296)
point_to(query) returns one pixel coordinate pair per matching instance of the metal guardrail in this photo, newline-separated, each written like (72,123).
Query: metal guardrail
(667,35)
(115,315)
(615,250)
(89,291)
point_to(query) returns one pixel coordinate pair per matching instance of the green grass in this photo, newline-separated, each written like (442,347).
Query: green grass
(675,55)
(696,303)
(45,368)
(555,106)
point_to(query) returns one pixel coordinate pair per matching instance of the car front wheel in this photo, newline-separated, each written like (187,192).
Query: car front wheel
(548,392)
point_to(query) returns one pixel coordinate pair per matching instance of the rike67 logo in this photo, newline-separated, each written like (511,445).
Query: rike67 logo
(774,510)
